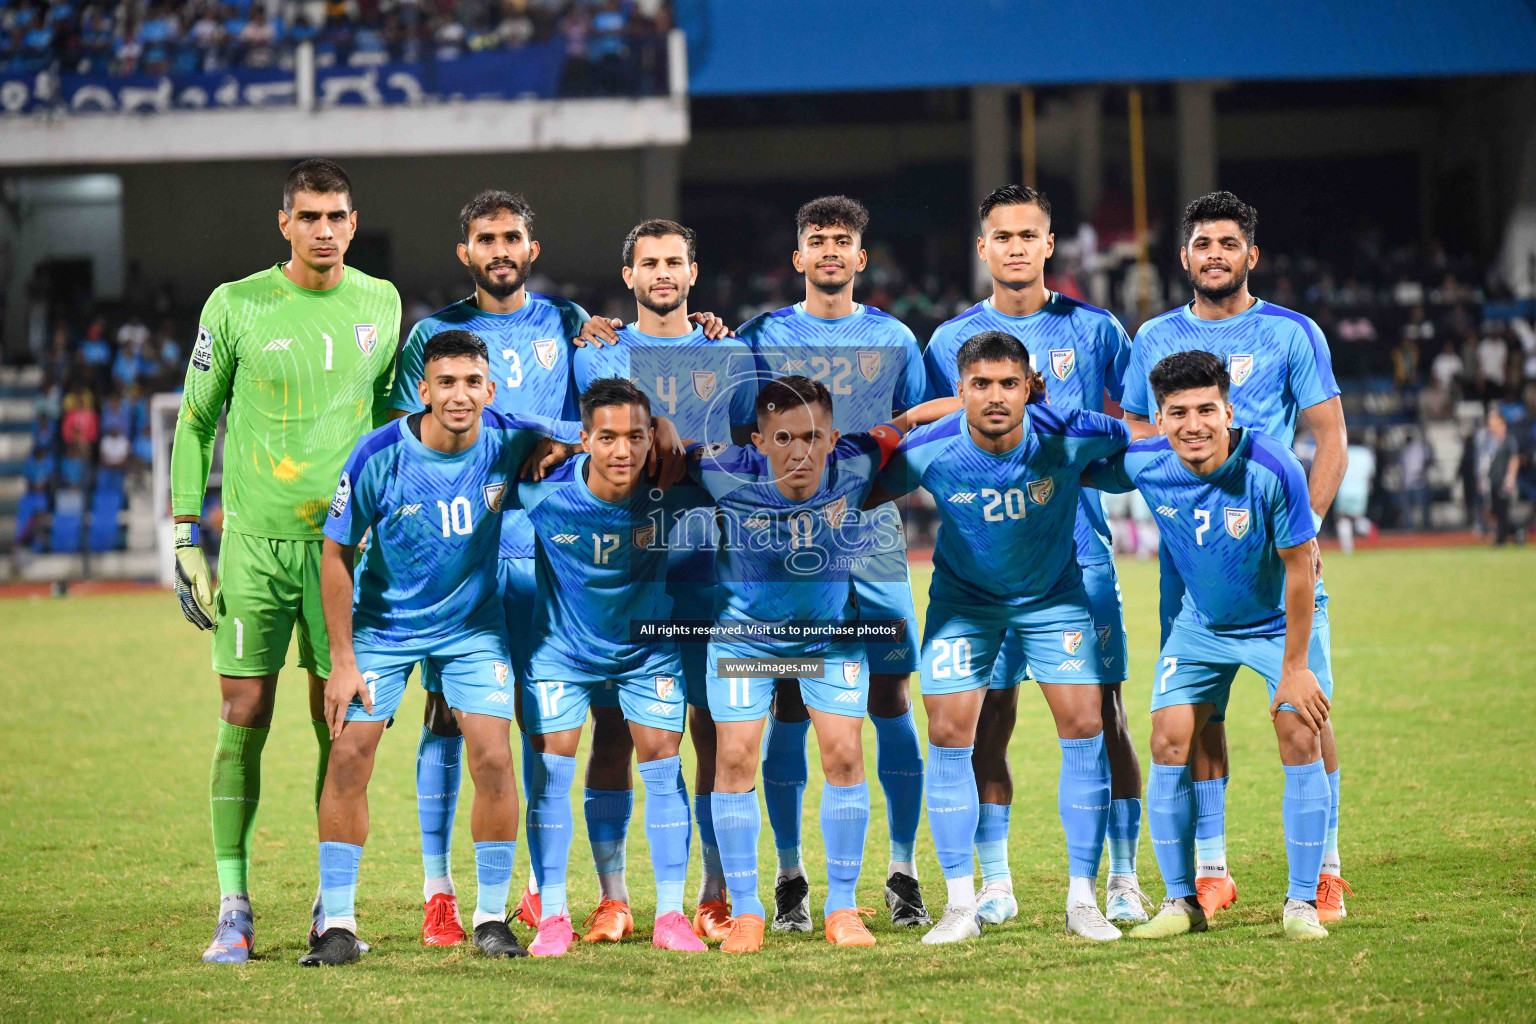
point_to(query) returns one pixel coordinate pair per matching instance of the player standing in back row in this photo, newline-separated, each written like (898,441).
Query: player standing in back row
(1280,369)
(871,364)
(302,355)
(1081,351)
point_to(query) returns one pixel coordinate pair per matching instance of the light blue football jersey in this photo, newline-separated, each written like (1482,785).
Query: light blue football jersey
(600,565)
(1278,360)
(1006,521)
(781,559)
(1222,531)
(429,569)
(1082,350)
(530,353)
(704,387)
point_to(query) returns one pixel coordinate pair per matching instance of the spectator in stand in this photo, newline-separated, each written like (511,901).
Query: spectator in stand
(258,39)
(1447,369)
(81,426)
(1405,365)
(94,348)
(1498,478)
(1414,459)
(1408,292)
(1357,328)
(1492,364)
(1354,496)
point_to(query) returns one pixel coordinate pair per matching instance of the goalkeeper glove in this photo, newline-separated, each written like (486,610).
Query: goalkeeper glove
(194,584)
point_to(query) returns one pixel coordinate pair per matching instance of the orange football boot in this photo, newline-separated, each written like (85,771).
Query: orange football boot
(746,935)
(1215,893)
(713,920)
(610,922)
(529,909)
(1330,897)
(846,927)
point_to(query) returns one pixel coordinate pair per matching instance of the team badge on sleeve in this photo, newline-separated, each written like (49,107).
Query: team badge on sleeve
(851,671)
(869,365)
(1063,362)
(644,536)
(343,495)
(367,337)
(664,687)
(493,494)
(500,670)
(1238,521)
(835,512)
(545,351)
(1239,368)
(202,351)
(1071,640)
(1041,491)
(704,384)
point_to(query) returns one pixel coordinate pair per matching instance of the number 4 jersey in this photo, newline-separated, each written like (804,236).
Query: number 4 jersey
(429,570)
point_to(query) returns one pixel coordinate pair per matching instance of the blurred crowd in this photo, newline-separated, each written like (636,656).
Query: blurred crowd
(188,36)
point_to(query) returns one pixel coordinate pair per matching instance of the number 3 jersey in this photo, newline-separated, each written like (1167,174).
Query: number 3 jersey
(1006,521)
(531,362)
(429,570)
(601,565)
(1223,530)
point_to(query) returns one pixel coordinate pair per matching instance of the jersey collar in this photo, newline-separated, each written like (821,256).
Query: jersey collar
(691,336)
(1050,298)
(419,447)
(1188,312)
(858,310)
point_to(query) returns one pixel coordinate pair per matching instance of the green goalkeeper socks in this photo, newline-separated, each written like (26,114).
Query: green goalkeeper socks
(323,738)
(235,791)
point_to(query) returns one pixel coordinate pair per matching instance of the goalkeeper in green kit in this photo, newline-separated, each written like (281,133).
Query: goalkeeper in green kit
(301,356)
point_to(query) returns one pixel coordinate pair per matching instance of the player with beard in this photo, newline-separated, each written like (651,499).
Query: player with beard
(708,388)
(871,364)
(1280,370)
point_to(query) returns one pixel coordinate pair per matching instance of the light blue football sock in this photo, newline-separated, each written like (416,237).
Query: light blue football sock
(550,825)
(992,843)
(952,808)
(899,765)
(438,772)
(1304,812)
(1171,820)
(607,812)
(738,824)
(338,884)
(493,871)
(1124,833)
(844,828)
(532,769)
(1211,827)
(1082,798)
(668,830)
(712,884)
(1331,847)
(786,766)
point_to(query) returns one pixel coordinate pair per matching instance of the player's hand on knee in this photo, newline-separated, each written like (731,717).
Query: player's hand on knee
(597,332)
(194,583)
(345,683)
(1299,688)
(714,327)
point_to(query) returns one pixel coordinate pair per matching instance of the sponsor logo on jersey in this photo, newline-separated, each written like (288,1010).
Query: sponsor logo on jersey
(658,708)
(1108,662)
(757,521)
(1239,368)
(278,345)
(665,685)
(847,697)
(1071,640)
(498,697)
(500,670)
(343,495)
(643,536)
(851,670)
(1238,521)
(835,512)
(367,337)
(407,510)
(869,364)
(545,350)
(962,497)
(1104,633)
(1063,362)
(202,351)
(704,384)
(564,538)
(896,653)
(792,366)
(493,494)
(1041,491)
(1167,510)
(1071,665)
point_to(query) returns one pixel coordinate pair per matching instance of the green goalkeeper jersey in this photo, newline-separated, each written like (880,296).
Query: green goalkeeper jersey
(303,375)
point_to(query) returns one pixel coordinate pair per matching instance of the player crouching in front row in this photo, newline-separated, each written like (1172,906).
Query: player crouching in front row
(1237,525)
(430,486)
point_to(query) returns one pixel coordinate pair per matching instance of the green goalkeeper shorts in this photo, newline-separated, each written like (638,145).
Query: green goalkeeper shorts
(266,587)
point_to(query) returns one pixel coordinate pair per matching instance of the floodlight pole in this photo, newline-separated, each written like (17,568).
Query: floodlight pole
(1139,205)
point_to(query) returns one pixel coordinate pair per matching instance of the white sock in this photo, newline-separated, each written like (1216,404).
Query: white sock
(611,886)
(962,891)
(481,918)
(1216,867)
(238,901)
(1331,864)
(533,883)
(798,871)
(433,886)
(906,867)
(1122,880)
(1080,890)
(1005,884)
(349,923)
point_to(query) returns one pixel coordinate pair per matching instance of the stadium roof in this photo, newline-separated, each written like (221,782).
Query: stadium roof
(736,46)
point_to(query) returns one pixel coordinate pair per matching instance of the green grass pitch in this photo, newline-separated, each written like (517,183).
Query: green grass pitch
(107,892)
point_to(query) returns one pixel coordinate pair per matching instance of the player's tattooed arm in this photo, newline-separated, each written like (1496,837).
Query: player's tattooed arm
(601,330)
(1298,685)
(345,681)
